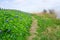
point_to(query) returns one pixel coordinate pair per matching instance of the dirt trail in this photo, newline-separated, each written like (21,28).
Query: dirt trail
(33,29)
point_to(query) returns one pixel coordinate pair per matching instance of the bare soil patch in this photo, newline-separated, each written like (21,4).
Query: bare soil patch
(33,29)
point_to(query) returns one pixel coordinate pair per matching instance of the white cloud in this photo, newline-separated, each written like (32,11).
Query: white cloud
(30,5)
(19,1)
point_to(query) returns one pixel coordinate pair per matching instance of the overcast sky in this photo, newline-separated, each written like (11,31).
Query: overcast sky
(30,5)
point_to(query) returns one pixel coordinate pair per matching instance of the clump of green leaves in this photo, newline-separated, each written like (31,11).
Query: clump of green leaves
(14,24)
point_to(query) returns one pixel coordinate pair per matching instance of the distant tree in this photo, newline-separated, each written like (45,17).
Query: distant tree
(0,8)
(52,11)
(44,11)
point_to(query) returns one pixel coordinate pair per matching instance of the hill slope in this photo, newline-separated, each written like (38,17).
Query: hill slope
(18,25)
(14,24)
(48,27)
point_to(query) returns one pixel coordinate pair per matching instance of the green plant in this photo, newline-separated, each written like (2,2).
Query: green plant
(14,25)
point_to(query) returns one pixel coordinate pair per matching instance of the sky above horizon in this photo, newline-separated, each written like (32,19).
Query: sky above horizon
(30,5)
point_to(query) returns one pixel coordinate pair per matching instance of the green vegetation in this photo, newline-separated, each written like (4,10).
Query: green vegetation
(49,28)
(14,24)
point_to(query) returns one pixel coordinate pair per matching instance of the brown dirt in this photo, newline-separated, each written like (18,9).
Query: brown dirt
(33,29)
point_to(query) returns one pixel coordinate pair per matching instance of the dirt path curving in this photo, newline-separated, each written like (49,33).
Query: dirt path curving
(33,29)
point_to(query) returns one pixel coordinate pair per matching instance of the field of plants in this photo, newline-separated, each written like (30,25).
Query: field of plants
(14,24)
(49,28)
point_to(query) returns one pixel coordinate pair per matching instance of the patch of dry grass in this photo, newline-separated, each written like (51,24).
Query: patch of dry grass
(49,27)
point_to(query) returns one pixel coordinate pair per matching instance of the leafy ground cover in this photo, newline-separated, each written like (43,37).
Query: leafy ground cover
(14,24)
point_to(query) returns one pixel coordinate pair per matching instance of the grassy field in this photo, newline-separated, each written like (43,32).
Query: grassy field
(16,25)
(49,27)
